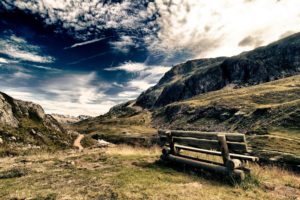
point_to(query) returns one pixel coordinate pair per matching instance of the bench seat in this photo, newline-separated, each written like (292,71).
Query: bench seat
(232,147)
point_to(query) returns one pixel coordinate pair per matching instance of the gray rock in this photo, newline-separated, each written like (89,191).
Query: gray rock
(33,132)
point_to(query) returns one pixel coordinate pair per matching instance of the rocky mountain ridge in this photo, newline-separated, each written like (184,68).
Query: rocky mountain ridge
(274,61)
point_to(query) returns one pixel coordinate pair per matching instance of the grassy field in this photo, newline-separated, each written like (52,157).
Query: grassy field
(138,124)
(123,172)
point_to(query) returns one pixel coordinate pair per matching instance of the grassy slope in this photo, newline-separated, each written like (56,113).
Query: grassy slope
(123,128)
(281,95)
(129,173)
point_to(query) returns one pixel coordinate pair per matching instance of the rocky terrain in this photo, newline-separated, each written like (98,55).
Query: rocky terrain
(24,125)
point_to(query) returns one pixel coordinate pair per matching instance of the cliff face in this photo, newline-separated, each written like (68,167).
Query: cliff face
(277,60)
(25,123)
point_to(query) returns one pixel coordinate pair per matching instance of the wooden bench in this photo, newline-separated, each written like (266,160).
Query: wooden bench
(231,147)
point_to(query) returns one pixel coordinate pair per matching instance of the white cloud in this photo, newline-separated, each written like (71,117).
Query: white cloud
(60,106)
(215,28)
(79,93)
(72,94)
(129,67)
(18,48)
(123,45)
(129,94)
(3,60)
(21,75)
(147,75)
(87,16)
(140,84)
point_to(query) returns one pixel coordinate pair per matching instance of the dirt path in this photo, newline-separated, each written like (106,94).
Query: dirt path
(77,142)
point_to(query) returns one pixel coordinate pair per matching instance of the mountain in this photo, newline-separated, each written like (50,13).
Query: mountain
(277,60)
(67,119)
(25,125)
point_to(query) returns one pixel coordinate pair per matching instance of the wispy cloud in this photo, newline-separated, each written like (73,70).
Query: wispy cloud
(216,28)
(128,67)
(82,92)
(124,44)
(145,76)
(45,68)
(66,93)
(85,43)
(3,60)
(21,75)
(18,48)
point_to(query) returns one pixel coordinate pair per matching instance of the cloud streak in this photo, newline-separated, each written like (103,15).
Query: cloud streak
(85,43)
(18,48)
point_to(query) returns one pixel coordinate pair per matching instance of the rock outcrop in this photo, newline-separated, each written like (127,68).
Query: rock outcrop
(26,123)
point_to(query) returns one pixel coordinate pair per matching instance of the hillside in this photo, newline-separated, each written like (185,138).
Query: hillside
(250,110)
(274,61)
(25,126)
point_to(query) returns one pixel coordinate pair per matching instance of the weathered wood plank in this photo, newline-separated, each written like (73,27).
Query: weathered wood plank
(239,174)
(217,153)
(232,137)
(210,144)
(199,143)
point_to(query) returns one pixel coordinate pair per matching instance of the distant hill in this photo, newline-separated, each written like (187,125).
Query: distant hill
(67,119)
(24,125)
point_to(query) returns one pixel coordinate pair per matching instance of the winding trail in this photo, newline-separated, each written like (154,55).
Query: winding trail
(77,142)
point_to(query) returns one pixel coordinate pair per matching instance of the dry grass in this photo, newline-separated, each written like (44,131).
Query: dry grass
(132,125)
(124,172)
(125,150)
(270,94)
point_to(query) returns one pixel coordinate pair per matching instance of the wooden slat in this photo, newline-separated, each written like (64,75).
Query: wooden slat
(208,166)
(232,137)
(198,143)
(217,153)
(210,144)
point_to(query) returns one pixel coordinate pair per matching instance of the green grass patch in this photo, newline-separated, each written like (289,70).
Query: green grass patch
(13,173)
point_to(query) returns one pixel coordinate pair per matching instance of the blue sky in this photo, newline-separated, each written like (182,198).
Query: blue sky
(84,56)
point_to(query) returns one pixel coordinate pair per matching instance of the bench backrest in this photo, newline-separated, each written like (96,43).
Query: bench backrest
(236,142)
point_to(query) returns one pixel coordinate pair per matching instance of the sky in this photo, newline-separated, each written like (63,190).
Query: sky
(84,56)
